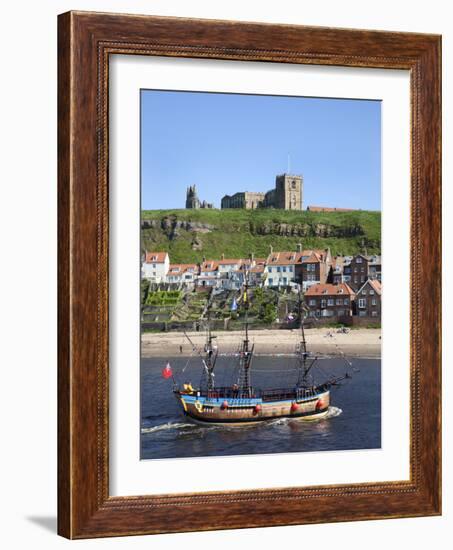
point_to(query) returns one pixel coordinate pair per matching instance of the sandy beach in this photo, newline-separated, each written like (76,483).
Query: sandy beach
(355,343)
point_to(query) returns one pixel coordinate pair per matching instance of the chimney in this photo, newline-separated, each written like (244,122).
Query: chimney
(204,259)
(223,255)
(299,247)
(271,248)
(252,257)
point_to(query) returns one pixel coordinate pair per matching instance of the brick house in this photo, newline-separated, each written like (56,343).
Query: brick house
(361,268)
(328,300)
(368,299)
(359,271)
(315,267)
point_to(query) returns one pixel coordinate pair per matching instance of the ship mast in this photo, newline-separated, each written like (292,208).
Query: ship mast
(246,352)
(211,354)
(304,367)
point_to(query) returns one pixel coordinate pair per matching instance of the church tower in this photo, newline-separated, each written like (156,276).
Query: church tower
(288,192)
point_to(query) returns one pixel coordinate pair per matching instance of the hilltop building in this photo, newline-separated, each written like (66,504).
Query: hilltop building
(286,195)
(329,209)
(192,200)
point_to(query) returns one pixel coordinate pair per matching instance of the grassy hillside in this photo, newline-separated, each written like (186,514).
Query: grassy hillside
(188,235)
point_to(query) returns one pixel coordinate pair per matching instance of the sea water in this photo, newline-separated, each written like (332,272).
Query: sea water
(353,420)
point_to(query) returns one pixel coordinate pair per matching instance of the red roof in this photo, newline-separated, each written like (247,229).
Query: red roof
(290,258)
(179,269)
(329,290)
(155,257)
(209,265)
(375,285)
(315,256)
(284,258)
(230,261)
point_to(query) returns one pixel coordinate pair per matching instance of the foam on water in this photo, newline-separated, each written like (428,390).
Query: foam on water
(332,412)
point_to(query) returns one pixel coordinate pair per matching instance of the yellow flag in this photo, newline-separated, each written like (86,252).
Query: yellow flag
(245,296)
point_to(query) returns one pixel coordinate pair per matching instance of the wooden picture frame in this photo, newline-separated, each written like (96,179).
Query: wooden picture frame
(85,41)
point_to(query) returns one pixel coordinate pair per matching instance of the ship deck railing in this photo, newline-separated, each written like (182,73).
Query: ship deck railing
(265,395)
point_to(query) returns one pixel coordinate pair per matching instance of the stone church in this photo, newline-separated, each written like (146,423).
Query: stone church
(192,200)
(286,195)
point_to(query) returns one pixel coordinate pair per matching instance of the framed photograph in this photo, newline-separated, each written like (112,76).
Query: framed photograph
(249,275)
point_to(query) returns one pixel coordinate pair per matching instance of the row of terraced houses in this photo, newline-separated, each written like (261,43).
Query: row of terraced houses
(334,286)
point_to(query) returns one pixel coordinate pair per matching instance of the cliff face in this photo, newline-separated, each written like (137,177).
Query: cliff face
(321,230)
(190,235)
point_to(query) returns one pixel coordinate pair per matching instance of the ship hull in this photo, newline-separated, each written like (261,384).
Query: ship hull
(247,411)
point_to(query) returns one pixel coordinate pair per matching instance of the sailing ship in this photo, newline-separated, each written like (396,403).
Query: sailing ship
(242,402)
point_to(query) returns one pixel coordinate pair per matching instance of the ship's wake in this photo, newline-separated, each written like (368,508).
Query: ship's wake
(332,412)
(167,426)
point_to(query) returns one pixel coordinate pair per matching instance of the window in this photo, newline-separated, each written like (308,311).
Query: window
(373,302)
(371,291)
(362,313)
(323,303)
(364,292)
(362,302)
(362,269)
(374,314)
(290,268)
(346,301)
(269,269)
(339,302)
(362,279)
(340,313)
(154,266)
(279,269)
(284,269)
(271,281)
(318,313)
(355,280)
(330,302)
(358,260)
(355,270)
(312,302)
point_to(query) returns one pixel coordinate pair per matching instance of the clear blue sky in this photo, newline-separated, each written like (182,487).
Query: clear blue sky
(226,143)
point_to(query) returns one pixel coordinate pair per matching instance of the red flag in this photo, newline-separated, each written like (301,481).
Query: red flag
(167,372)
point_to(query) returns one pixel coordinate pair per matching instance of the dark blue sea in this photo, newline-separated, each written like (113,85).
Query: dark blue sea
(353,422)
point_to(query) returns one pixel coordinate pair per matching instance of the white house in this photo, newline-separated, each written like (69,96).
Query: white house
(280,268)
(182,273)
(209,274)
(155,266)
